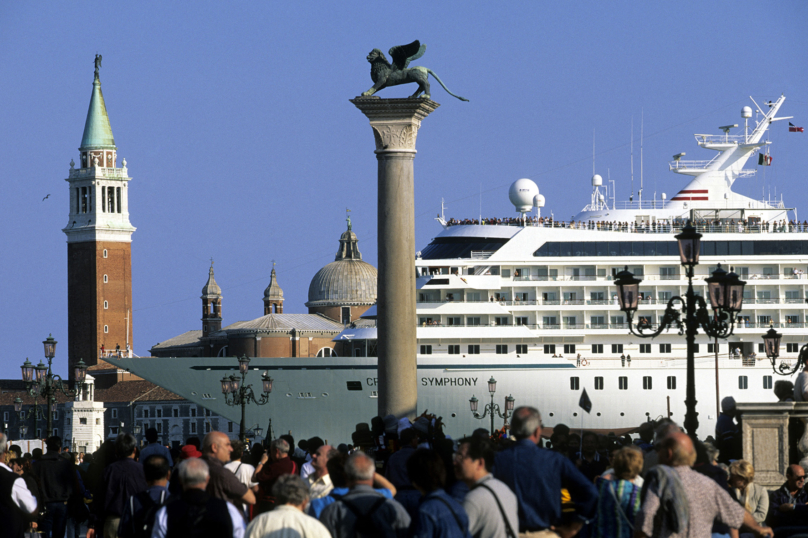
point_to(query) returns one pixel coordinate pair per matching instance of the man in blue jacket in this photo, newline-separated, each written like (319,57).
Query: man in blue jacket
(536,476)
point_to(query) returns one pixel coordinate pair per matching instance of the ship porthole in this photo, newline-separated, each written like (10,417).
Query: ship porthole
(622,414)
(551,414)
(598,414)
(288,394)
(575,414)
(454,415)
(325,394)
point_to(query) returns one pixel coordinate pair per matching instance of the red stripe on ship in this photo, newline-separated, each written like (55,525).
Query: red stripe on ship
(693,198)
(693,191)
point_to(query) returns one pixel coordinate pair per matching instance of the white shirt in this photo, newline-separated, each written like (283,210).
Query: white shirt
(243,472)
(286,522)
(306,470)
(161,522)
(319,487)
(20,493)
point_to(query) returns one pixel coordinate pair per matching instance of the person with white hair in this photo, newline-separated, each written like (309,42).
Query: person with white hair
(288,519)
(16,499)
(197,513)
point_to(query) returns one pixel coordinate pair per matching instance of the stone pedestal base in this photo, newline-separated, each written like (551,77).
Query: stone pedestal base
(395,124)
(764,428)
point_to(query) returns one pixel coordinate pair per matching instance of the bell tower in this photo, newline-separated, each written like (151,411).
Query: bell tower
(99,237)
(211,305)
(273,295)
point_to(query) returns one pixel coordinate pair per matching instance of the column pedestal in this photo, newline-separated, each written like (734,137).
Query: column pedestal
(395,124)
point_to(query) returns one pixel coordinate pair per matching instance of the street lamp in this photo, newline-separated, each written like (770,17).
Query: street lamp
(725,291)
(238,393)
(771,343)
(492,408)
(41,381)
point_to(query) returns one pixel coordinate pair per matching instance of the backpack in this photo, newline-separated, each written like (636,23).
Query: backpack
(143,519)
(365,527)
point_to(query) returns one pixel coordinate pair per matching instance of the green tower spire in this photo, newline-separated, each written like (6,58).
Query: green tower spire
(97,131)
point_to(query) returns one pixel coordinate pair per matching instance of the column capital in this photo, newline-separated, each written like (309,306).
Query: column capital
(395,122)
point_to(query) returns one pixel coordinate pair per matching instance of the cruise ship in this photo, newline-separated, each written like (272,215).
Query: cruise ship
(531,302)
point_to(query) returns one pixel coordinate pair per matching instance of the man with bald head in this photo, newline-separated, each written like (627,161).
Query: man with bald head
(319,481)
(682,502)
(788,505)
(379,515)
(223,484)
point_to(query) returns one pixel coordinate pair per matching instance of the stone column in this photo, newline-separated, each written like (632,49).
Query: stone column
(395,124)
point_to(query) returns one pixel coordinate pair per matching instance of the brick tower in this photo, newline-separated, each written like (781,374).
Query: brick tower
(99,236)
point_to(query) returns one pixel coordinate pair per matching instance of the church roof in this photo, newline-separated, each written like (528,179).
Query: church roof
(97,131)
(184,339)
(347,280)
(287,322)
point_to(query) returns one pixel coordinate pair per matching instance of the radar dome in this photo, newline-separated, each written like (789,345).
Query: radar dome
(538,201)
(522,193)
(746,112)
(597,181)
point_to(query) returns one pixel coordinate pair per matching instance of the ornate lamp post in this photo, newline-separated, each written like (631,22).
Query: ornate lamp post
(237,392)
(41,381)
(492,408)
(689,313)
(771,343)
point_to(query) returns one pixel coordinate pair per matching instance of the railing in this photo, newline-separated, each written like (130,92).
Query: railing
(600,302)
(689,165)
(79,173)
(720,139)
(481,254)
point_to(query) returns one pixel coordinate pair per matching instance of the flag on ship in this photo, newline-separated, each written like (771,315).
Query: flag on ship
(764,160)
(794,129)
(585,403)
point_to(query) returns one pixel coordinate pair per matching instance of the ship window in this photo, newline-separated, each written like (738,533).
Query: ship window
(426,350)
(473,321)
(454,349)
(549,348)
(502,349)
(734,248)
(617,348)
(474,349)
(790,348)
(695,348)
(767,382)
(647,382)
(743,382)
(575,383)
(761,348)
(522,320)
(569,348)
(622,382)
(713,348)
(664,348)
(598,383)
(671,382)
(597,348)
(354,385)
(521,349)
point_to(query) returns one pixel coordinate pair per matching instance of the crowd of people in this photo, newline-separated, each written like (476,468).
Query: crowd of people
(400,478)
(646,226)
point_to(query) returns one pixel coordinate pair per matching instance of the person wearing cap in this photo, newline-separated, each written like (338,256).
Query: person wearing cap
(155,448)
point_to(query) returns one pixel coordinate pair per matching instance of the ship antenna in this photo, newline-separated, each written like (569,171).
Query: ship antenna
(630,198)
(642,125)
(593,151)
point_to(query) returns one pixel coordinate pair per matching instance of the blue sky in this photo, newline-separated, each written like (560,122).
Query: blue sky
(235,123)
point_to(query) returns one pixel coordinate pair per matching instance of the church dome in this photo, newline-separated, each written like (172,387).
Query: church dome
(347,280)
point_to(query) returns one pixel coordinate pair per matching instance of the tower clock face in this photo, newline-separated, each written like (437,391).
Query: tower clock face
(109,158)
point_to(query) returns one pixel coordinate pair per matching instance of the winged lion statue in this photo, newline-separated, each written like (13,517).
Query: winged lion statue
(385,74)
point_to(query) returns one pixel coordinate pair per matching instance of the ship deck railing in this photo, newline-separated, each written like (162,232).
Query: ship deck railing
(604,302)
(712,139)
(658,227)
(609,326)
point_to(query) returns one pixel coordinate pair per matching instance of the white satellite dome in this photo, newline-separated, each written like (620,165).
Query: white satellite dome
(522,193)
(746,112)
(597,180)
(538,201)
